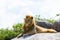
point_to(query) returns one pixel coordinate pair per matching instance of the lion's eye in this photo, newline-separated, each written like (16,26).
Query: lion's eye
(31,17)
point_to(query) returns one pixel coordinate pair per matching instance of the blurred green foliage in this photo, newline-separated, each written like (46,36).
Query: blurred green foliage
(38,18)
(6,34)
(51,21)
(18,27)
(57,14)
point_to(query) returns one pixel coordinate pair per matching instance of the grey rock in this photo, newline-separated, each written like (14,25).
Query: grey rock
(41,36)
(44,24)
(56,26)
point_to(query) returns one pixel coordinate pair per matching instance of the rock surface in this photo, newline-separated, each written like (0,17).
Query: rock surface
(41,36)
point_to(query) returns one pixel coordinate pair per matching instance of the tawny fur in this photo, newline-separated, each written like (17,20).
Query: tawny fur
(29,27)
(44,30)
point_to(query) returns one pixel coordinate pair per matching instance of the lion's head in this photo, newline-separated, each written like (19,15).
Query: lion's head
(28,20)
(28,23)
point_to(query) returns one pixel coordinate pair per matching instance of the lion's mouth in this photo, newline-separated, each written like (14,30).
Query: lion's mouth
(26,25)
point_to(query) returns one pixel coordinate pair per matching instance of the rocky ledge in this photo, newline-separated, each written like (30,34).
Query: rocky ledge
(40,36)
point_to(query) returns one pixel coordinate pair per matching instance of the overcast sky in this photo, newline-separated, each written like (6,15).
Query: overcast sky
(13,11)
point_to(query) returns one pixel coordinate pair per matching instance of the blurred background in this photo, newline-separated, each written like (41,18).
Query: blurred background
(12,12)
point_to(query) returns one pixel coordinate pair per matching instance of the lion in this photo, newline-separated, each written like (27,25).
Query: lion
(29,27)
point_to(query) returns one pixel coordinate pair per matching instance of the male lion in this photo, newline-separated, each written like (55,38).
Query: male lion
(29,27)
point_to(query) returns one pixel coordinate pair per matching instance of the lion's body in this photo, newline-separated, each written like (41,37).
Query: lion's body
(29,27)
(44,30)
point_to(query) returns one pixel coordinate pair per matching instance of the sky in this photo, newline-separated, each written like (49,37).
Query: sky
(13,11)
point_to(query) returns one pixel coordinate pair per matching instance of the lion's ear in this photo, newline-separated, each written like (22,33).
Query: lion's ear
(31,17)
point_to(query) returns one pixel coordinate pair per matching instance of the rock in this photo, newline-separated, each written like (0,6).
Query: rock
(41,36)
(56,26)
(44,24)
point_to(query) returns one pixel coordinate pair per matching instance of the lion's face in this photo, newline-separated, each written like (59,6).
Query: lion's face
(29,24)
(28,20)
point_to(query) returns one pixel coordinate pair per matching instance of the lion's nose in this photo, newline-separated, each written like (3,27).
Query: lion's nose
(28,20)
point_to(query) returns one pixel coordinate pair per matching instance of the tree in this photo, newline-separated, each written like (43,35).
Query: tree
(18,27)
(6,34)
(57,14)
